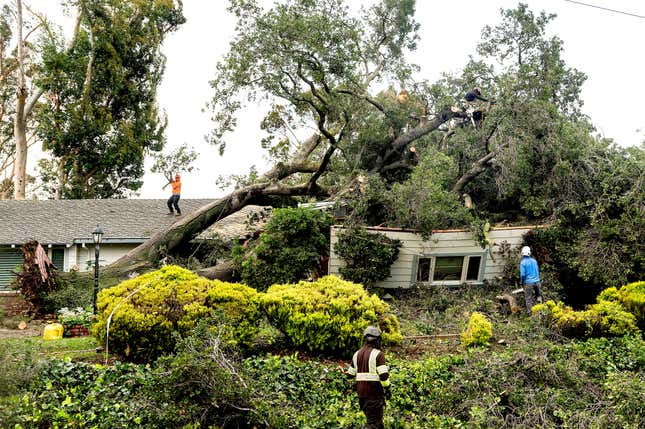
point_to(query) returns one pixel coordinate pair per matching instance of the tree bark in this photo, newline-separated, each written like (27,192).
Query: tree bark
(20,123)
(222,271)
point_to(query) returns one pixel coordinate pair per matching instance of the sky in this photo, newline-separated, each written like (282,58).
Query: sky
(607,46)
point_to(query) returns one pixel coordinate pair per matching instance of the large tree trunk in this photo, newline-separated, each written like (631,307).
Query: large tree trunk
(146,256)
(20,125)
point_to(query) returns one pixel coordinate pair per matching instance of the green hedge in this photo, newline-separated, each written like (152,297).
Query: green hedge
(617,312)
(150,308)
(630,296)
(328,315)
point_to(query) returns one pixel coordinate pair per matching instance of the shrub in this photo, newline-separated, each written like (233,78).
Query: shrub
(289,249)
(201,385)
(478,332)
(165,301)
(611,319)
(631,297)
(563,319)
(367,256)
(328,315)
(241,308)
(606,318)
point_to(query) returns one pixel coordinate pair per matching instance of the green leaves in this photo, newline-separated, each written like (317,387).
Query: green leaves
(290,249)
(101,117)
(367,256)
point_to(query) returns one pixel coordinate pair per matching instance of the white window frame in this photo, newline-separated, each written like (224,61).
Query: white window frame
(464,268)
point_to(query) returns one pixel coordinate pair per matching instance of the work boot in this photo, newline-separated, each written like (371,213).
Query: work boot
(170,213)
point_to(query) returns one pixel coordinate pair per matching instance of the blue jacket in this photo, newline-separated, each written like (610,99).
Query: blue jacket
(529,272)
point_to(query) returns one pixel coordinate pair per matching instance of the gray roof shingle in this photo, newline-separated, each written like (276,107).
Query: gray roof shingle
(63,221)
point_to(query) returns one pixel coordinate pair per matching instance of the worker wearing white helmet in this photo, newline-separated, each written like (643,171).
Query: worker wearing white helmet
(530,279)
(371,372)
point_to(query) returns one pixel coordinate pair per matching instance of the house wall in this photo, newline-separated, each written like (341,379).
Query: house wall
(441,243)
(83,256)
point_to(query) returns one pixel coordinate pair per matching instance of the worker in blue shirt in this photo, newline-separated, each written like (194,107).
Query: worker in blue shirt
(530,278)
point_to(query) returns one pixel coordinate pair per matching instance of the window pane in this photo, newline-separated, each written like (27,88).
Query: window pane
(473,267)
(423,270)
(448,268)
(58,258)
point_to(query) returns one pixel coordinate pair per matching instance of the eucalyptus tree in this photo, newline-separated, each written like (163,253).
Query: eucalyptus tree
(100,117)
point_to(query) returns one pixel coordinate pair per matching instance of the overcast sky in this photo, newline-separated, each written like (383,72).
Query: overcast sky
(606,46)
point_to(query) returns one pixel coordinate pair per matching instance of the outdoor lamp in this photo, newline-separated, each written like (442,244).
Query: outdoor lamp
(97,236)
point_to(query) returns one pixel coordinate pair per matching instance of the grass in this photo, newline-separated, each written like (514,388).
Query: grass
(78,348)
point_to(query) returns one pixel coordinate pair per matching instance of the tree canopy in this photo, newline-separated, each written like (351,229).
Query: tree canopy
(350,122)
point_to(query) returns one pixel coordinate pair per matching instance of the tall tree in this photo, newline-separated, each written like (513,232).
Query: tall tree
(318,65)
(101,116)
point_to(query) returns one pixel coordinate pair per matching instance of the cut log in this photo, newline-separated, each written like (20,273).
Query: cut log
(222,271)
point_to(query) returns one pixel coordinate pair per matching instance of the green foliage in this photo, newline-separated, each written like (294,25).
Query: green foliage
(478,332)
(75,316)
(150,308)
(202,384)
(240,306)
(69,394)
(425,202)
(605,318)
(18,363)
(72,290)
(287,251)
(328,315)
(101,118)
(179,160)
(630,296)
(368,256)
(299,393)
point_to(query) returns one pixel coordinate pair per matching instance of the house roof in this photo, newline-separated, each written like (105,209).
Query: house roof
(69,221)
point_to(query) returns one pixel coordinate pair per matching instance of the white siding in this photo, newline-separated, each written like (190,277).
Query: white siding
(440,243)
(108,253)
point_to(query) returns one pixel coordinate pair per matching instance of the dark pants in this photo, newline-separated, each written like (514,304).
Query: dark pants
(174,201)
(373,410)
(532,294)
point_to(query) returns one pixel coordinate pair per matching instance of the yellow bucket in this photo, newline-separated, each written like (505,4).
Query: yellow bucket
(53,331)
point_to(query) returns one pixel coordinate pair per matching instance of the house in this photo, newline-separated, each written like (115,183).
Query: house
(64,229)
(449,257)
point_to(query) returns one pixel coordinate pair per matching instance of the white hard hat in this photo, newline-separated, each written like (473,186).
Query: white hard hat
(372,331)
(526,251)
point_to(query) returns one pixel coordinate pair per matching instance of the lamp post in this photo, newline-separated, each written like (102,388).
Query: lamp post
(97,236)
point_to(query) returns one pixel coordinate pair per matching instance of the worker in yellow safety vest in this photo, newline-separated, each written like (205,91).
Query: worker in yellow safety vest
(371,373)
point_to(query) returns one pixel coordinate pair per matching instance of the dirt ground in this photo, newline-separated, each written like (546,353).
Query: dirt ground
(34,328)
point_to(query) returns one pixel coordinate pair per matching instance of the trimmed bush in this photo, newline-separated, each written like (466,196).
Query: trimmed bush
(150,308)
(606,318)
(563,319)
(630,296)
(241,307)
(328,315)
(478,332)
